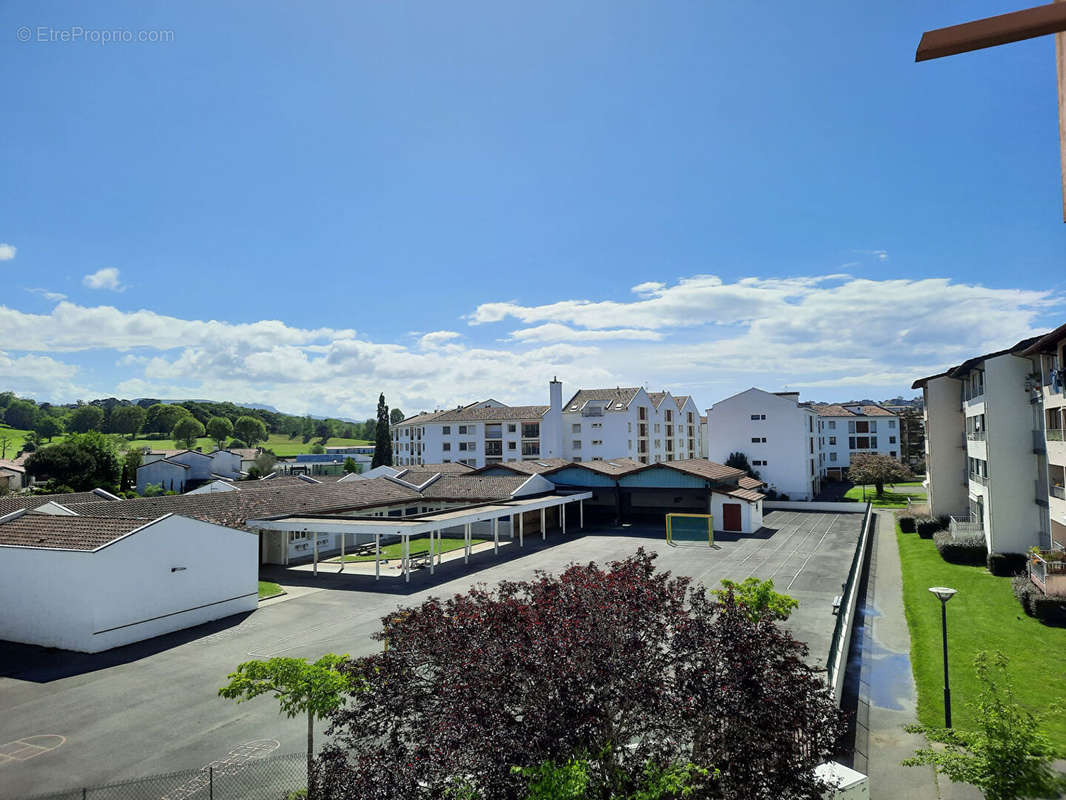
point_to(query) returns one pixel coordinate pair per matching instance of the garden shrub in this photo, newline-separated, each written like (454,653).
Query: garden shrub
(964,550)
(927,527)
(907,524)
(1048,608)
(1023,590)
(1005,565)
(944,521)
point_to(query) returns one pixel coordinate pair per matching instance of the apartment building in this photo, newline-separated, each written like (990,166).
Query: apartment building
(594,424)
(986,454)
(1049,390)
(776,432)
(850,428)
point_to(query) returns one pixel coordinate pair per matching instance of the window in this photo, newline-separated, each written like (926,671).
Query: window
(832,425)
(462,446)
(657,427)
(462,428)
(512,445)
(494,448)
(757,463)
(753,416)
(575,428)
(642,412)
(530,448)
(629,427)
(575,444)
(512,428)
(597,442)
(892,453)
(597,425)
(493,431)
(447,446)
(758,440)
(873,442)
(892,423)
(833,456)
(891,439)
(531,430)
(832,440)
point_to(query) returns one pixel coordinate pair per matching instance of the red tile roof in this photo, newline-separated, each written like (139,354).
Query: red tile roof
(63,532)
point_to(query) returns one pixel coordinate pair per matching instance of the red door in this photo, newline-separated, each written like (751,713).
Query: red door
(731,516)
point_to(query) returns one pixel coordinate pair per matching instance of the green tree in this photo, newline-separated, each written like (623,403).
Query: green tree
(382,436)
(48,427)
(307,429)
(265,462)
(187,431)
(250,430)
(21,414)
(219,429)
(127,419)
(758,598)
(878,469)
(1005,756)
(396,416)
(163,417)
(299,687)
(85,418)
(350,465)
(738,460)
(153,490)
(323,430)
(317,449)
(83,461)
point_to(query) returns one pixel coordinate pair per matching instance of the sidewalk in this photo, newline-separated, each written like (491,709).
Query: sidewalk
(887,698)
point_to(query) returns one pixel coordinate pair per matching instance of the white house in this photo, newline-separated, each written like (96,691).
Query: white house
(226,463)
(114,581)
(850,428)
(775,431)
(1049,354)
(593,424)
(171,475)
(986,453)
(12,476)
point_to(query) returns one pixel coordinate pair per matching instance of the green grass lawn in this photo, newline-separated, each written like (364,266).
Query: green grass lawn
(889,499)
(268,589)
(281,444)
(984,615)
(395,550)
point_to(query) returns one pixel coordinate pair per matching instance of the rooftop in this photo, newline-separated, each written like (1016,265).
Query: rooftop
(63,532)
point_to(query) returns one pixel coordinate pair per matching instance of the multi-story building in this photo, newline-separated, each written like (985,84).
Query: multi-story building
(850,428)
(776,432)
(1049,384)
(986,462)
(595,424)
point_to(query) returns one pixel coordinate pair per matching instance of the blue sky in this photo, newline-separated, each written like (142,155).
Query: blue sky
(304,205)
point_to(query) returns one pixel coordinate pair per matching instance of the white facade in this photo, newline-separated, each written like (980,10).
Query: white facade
(171,475)
(945,447)
(226,463)
(847,429)
(593,424)
(168,575)
(1048,355)
(775,432)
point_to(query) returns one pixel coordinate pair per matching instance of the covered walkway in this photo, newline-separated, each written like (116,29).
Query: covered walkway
(434,524)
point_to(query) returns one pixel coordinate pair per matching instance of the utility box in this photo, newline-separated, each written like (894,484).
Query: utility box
(846,783)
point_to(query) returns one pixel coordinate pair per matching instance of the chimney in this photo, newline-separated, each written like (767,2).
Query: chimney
(555,395)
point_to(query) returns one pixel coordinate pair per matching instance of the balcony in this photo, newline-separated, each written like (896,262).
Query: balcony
(965,526)
(1058,492)
(975,436)
(592,411)
(1053,434)
(976,478)
(1048,571)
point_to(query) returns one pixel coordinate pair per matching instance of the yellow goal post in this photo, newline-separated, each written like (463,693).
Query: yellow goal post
(689,529)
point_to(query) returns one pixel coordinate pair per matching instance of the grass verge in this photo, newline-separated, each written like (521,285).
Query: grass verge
(395,550)
(269,589)
(889,499)
(984,615)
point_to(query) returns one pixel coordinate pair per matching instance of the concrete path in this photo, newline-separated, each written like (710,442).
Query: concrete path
(887,697)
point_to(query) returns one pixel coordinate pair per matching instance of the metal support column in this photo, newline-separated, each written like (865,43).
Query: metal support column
(543,524)
(431,553)
(466,543)
(316,555)
(521,529)
(496,535)
(407,559)
(562,516)
(343,537)
(581,514)
(377,556)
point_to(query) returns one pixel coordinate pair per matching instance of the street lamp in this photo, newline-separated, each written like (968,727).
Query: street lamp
(944,594)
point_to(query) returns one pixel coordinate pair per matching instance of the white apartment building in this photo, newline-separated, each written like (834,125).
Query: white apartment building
(1050,392)
(986,461)
(595,424)
(850,428)
(776,432)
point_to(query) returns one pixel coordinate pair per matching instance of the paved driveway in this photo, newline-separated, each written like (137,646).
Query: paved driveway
(152,707)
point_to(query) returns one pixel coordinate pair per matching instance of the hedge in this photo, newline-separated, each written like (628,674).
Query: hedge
(1048,608)
(964,550)
(1005,565)
(927,527)
(907,524)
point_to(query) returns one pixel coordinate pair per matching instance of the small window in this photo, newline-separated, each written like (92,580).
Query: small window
(447,430)
(758,416)
(758,440)
(833,456)
(447,446)
(891,439)
(512,428)
(575,428)
(462,429)
(832,440)
(832,425)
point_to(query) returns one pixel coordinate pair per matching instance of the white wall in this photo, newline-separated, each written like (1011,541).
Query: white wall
(945,453)
(127,591)
(750,513)
(226,463)
(199,464)
(171,476)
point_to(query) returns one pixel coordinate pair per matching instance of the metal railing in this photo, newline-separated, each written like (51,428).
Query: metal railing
(959,527)
(977,478)
(1053,434)
(975,436)
(272,777)
(838,644)
(1059,492)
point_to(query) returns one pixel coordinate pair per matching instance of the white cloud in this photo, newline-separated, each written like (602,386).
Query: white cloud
(7,251)
(437,338)
(55,297)
(40,376)
(106,278)
(554,332)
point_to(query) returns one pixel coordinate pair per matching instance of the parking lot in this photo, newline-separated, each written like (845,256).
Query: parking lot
(152,707)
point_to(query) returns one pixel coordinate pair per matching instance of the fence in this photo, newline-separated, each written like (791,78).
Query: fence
(961,528)
(268,778)
(813,505)
(838,645)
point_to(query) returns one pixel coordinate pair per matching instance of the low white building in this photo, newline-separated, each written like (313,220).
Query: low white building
(115,581)
(173,476)
(775,432)
(850,428)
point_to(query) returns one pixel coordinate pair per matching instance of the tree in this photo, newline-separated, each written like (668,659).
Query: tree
(128,419)
(624,665)
(382,436)
(878,469)
(315,689)
(738,460)
(1005,756)
(85,418)
(250,430)
(350,466)
(265,462)
(396,416)
(48,427)
(323,430)
(163,417)
(758,598)
(307,429)
(21,414)
(187,431)
(83,461)
(219,429)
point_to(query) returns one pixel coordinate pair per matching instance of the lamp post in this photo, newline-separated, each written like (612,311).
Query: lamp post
(944,594)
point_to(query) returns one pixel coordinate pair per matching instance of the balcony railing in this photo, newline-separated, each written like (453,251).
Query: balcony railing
(975,436)
(1053,434)
(981,479)
(965,526)
(1059,492)
(973,394)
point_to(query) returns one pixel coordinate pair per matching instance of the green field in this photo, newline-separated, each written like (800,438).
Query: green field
(395,550)
(268,589)
(889,499)
(281,444)
(984,615)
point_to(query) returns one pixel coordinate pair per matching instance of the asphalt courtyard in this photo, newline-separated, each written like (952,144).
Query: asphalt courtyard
(69,720)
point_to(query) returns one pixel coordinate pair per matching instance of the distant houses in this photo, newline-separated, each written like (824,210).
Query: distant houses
(183,470)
